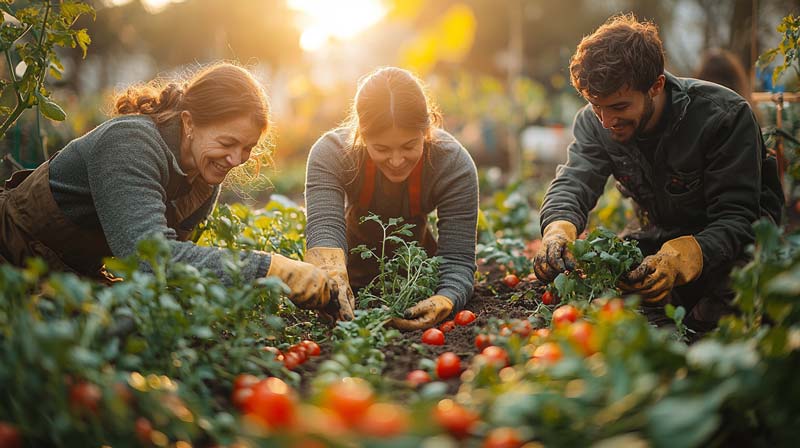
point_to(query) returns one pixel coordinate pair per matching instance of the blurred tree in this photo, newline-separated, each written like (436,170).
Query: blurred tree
(195,31)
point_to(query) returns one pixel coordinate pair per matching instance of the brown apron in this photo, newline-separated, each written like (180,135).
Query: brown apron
(361,271)
(32,224)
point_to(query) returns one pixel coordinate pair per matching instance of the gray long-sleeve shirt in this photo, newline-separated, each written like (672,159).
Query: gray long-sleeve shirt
(115,179)
(449,185)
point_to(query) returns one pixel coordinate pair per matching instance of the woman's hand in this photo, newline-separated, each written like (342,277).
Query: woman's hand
(333,262)
(424,314)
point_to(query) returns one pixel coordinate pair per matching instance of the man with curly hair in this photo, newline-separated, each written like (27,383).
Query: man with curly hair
(689,153)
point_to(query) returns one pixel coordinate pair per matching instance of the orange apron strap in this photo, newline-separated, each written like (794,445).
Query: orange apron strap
(368,187)
(415,189)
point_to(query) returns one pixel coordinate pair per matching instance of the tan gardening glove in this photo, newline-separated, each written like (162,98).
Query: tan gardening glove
(334,263)
(554,256)
(424,314)
(308,285)
(678,262)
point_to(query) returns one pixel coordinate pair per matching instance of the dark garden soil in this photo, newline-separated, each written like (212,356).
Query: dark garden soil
(492,300)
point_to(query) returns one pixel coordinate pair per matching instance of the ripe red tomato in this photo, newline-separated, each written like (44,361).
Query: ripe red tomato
(274,350)
(502,438)
(447,326)
(291,360)
(511,280)
(548,298)
(454,418)
(243,389)
(245,380)
(300,351)
(350,398)
(548,352)
(143,429)
(417,377)
(464,317)
(433,336)
(522,327)
(274,402)
(448,365)
(312,348)
(565,315)
(496,356)
(240,398)
(611,309)
(542,332)
(320,420)
(9,436)
(85,396)
(384,420)
(580,333)
(483,340)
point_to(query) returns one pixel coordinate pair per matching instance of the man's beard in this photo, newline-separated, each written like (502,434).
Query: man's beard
(647,114)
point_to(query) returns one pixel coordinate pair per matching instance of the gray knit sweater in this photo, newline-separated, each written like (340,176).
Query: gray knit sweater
(115,178)
(449,185)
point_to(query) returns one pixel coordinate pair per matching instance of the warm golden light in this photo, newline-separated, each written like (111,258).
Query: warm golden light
(324,20)
(152,6)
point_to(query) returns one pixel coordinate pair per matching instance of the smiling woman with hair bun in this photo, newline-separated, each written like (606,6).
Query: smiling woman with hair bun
(155,169)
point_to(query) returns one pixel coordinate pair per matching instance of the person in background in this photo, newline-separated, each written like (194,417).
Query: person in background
(723,67)
(688,152)
(155,169)
(392,158)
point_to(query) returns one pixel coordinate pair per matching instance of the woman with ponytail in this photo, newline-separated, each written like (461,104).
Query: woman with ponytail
(392,158)
(156,168)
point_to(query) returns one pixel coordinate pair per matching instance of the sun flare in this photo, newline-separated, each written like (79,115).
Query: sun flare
(323,20)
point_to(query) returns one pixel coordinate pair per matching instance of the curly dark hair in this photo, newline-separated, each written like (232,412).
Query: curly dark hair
(622,52)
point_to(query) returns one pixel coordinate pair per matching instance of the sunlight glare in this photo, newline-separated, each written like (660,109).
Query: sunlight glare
(342,19)
(151,6)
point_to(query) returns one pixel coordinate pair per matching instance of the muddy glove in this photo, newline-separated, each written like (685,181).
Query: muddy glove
(554,256)
(333,262)
(424,314)
(308,285)
(678,262)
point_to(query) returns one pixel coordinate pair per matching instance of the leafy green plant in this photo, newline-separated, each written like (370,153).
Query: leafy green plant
(508,215)
(509,252)
(29,35)
(80,362)
(275,228)
(602,258)
(677,314)
(406,278)
(358,348)
(789,48)
(188,324)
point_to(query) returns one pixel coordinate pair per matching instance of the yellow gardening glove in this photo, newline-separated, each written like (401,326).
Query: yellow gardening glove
(554,256)
(334,263)
(308,285)
(424,314)
(678,262)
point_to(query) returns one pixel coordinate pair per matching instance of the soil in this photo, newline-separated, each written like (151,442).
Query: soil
(492,300)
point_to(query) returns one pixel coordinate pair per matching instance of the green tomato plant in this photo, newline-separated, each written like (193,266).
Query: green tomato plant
(404,279)
(29,34)
(602,258)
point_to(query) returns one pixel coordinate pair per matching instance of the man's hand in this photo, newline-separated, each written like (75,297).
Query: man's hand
(678,262)
(424,314)
(333,262)
(554,256)
(308,285)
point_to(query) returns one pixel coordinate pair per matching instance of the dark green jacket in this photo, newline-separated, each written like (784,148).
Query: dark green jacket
(711,177)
